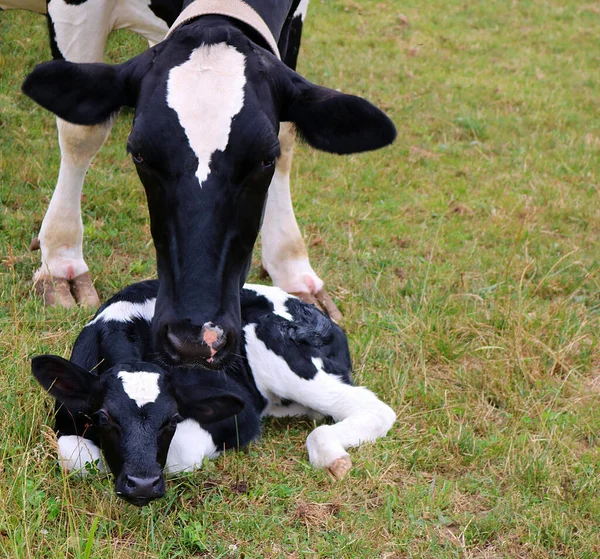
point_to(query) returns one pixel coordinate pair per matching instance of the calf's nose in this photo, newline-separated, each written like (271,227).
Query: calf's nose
(141,490)
(190,343)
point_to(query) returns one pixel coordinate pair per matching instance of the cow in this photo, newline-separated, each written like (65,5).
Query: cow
(116,395)
(216,114)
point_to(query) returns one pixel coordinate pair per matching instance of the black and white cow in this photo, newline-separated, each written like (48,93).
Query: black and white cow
(115,395)
(214,128)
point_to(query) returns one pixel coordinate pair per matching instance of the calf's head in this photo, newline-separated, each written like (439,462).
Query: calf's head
(135,413)
(208,105)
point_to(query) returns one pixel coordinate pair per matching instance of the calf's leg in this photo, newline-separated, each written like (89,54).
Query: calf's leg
(359,414)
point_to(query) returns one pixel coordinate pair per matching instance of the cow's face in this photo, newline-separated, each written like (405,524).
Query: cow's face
(135,413)
(204,141)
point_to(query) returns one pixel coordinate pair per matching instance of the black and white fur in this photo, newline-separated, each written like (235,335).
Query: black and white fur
(216,115)
(115,395)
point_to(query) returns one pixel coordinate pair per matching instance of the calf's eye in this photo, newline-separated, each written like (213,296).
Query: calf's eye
(103,419)
(175,420)
(137,158)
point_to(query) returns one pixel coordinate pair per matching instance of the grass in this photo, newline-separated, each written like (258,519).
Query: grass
(465,259)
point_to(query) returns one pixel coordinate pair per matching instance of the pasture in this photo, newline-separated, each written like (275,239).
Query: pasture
(465,260)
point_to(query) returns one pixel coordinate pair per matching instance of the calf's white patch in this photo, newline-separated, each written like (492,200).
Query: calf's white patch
(141,386)
(189,446)
(125,311)
(277,297)
(207,92)
(75,452)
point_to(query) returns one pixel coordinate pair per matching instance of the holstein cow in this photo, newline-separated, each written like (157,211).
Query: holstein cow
(115,394)
(215,119)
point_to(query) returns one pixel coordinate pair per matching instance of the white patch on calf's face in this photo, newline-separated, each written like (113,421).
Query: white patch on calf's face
(207,92)
(140,386)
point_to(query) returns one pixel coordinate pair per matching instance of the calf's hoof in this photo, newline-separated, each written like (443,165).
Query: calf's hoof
(56,291)
(340,467)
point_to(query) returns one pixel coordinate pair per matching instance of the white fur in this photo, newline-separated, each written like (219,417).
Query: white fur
(140,386)
(75,452)
(125,311)
(284,253)
(190,445)
(360,416)
(137,16)
(207,92)
(302,9)
(276,296)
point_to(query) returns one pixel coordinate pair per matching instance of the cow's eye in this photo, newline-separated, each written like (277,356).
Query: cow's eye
(137,158)
(267,164)
(103,419)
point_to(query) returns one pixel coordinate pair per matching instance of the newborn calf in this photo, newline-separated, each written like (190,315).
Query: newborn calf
(115,395)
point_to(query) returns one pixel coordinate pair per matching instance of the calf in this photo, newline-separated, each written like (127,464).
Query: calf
(116,395)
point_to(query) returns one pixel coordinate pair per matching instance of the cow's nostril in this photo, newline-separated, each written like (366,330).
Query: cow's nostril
(192,343)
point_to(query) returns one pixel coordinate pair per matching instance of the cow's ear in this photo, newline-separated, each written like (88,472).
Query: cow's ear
(65,381)
(208,404)
(332,121)
(87,93)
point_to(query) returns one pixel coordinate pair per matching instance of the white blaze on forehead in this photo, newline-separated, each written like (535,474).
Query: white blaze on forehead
(141,386)
(206,92)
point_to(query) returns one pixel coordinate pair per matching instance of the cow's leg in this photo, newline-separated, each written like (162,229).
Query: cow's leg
(284,254)
(79,33)
(359,415)
(63,277)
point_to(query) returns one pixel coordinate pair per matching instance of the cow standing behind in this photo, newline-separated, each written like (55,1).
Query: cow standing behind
(79,30)
(114,394)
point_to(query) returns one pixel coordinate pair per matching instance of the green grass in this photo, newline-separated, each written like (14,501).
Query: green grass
(465,259)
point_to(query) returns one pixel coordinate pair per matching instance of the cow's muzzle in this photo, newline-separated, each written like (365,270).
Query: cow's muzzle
(208,345)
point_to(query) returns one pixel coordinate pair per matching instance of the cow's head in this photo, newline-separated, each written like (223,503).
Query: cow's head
(208,105)
(135,412)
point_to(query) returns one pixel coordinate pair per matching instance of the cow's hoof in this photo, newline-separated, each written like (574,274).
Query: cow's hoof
(67,293)
(54,291)
(84,292)
(322,300)
(340,467)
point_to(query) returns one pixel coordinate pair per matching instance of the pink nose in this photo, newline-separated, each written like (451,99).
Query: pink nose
(188,345)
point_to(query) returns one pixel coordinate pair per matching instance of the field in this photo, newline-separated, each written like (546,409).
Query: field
(465,259)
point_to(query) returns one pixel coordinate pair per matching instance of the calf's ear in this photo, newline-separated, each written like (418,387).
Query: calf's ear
(65,381)
(85,93)
(332,121)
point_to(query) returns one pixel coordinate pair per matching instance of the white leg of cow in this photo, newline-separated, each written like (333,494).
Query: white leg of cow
(81,31)
(359,415)
(284,254)
(63,268)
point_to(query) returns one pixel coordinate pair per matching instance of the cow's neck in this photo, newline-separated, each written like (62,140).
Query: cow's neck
(273,12)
